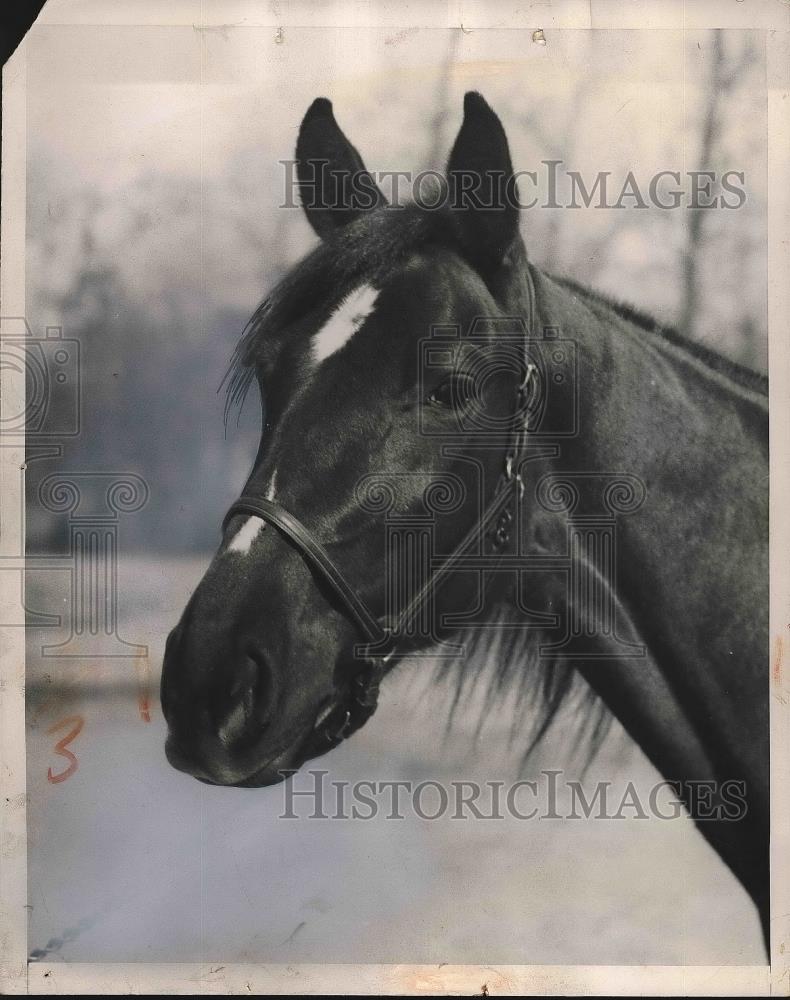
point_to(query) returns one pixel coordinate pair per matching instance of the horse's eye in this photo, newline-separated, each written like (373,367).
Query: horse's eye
(455,391)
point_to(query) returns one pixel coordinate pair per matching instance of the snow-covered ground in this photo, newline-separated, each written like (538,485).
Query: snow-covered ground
(131,861)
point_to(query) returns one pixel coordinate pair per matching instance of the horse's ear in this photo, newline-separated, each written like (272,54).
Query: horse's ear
(482,189)
(334,185)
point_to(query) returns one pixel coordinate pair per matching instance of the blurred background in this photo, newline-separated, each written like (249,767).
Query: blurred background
(154,186)
(154,228)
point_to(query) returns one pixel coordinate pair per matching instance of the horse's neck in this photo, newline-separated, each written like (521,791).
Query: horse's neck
(690,572)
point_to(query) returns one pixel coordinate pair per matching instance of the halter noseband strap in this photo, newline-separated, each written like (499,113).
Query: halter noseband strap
(271,512)
(344,719)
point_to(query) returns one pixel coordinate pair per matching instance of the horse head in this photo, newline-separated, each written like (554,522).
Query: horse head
(356,414)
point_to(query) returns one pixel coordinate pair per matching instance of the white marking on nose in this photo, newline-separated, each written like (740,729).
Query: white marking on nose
(246,535)
(270,491)
(344,322)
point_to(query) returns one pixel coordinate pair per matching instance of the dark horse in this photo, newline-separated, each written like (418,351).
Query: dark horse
(607,518)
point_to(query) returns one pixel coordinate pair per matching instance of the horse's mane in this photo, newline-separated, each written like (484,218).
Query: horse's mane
(510,661)
(740,374)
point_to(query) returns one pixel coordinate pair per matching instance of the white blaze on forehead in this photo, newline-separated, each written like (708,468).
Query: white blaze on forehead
(344,322)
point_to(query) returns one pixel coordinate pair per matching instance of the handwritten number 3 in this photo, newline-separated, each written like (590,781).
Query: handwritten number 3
(76,722)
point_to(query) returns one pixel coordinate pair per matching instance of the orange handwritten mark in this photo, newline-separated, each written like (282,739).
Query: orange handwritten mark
(76,722)
(145,711)
(143,668)
(776,673)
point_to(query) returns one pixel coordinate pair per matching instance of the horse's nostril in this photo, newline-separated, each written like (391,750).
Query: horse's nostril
(245,682)
(264,677)
(249,703)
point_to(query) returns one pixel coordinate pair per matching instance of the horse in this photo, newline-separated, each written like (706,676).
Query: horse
(564,474)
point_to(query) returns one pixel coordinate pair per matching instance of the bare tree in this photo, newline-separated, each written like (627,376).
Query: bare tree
(558,149)
(724,75)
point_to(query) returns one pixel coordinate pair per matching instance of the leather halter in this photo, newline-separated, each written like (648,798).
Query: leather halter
(496,521)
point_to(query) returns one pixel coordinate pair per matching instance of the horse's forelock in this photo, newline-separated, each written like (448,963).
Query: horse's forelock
(367,250)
